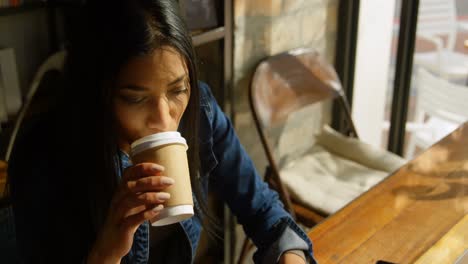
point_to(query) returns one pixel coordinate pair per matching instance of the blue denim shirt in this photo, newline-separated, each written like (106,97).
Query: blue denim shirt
(227,170)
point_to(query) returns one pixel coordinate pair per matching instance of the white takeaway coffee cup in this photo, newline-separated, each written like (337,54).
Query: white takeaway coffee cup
(168,149)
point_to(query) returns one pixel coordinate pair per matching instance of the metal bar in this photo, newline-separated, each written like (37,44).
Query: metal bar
(228,57)
(403,72)
(208,36)
(227,33)
(345,59)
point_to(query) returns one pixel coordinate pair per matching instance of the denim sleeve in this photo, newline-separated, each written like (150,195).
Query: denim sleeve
(257,207)
(289,240)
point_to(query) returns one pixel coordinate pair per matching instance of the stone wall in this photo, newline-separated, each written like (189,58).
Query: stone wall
(268,27)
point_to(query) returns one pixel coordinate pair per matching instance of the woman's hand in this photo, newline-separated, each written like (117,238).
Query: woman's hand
(138,198)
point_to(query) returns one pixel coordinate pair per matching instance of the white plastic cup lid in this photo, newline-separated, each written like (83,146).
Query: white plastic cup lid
(174,214)
(158,139)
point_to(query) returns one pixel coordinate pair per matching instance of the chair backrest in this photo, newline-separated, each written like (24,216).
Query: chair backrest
(53,63)
(440,98)
(438,18)
(290,93)
(286,88)
(289,81)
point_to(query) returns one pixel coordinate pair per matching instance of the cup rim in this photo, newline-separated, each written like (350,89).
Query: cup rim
(156,140)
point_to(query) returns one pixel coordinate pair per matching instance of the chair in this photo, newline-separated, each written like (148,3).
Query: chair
(436,23)
(315,169)
(50,68)
(440,108)
(37,100)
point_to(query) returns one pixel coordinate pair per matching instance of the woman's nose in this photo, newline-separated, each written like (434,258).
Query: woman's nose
(159,118)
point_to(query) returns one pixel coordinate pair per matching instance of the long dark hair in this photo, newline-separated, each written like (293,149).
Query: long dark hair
(105,39)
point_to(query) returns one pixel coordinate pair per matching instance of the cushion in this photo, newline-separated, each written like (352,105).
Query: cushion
(336,170)
(327,182)
(358,151)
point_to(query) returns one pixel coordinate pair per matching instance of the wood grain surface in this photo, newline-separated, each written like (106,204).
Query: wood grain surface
(401,218)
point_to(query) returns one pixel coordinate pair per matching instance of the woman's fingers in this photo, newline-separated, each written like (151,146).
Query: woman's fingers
(147,184)
(135,220)
(141,170)
(134,204)
(152,197)
(139,190)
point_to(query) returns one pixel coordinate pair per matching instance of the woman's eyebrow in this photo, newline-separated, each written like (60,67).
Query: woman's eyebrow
(142,88)
(177,80)
(134,87)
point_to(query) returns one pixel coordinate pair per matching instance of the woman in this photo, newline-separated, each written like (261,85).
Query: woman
(130,73)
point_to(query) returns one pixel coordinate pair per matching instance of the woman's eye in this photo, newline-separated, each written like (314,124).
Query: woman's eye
(132,99)
(180,90)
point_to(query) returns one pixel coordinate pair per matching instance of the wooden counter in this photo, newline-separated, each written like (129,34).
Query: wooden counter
(407,214)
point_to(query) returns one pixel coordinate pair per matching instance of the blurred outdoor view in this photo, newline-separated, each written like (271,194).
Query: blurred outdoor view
(439,86)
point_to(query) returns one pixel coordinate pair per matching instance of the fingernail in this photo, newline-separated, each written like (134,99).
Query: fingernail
(167,181)
(164,196)
(157,168)
(158,208)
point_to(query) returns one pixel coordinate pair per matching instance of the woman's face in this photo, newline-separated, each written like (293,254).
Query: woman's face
(152,94)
